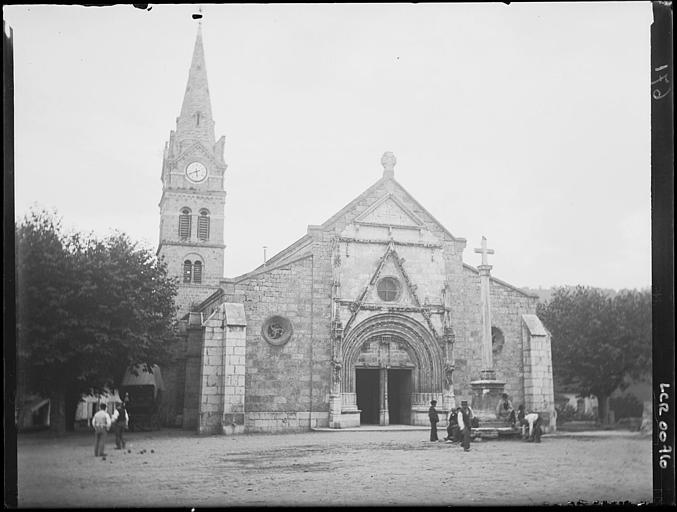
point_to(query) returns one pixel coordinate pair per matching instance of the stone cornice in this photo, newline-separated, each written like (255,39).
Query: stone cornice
(190,193)
(287,252)
(195,147)
(388,225)
(388,241)
(436,309)
(192,243)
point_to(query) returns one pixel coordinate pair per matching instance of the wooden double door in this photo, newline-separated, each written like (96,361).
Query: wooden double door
(383,395)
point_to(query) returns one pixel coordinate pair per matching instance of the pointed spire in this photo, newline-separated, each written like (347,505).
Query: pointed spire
(195,121)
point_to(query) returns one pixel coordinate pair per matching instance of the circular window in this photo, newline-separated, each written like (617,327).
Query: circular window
(388,289)
(277,330)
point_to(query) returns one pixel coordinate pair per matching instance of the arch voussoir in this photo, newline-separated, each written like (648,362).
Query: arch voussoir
(428,357)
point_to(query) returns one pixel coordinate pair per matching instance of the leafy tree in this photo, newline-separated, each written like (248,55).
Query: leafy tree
(598,340)
(87,309)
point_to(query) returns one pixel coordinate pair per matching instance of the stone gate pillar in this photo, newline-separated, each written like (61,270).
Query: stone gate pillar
(538,386)
(222,386)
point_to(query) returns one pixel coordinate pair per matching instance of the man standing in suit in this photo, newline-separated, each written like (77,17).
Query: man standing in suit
(465,424)
(434,419)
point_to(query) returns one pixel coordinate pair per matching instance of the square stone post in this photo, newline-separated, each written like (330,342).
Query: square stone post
(222,387)
(538,386)
(234,365)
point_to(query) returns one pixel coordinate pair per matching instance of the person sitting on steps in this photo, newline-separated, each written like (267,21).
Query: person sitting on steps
(453,432)
(505,411)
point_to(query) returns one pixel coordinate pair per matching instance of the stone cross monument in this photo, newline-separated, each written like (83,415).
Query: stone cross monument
(486,391)
(487,372)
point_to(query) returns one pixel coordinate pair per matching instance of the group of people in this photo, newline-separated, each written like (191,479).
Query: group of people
(461,421)
(531,424)
(459,424)
(104,422)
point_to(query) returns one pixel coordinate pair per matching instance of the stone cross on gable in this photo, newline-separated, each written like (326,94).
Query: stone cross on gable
(388,162)
(484,251)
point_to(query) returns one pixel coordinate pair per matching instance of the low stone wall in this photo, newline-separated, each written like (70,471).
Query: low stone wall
(288,421)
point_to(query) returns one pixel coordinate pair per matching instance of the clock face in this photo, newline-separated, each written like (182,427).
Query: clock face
(196,172)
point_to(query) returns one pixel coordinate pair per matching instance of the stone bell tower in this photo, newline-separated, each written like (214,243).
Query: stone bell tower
(193,196)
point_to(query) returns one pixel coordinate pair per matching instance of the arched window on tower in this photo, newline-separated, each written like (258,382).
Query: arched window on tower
(197,119)
(184,223)
(197,272)
(187,271)
(203,225)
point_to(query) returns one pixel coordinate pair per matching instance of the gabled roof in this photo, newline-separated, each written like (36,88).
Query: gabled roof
(501,282)
(382,183)
(292,249)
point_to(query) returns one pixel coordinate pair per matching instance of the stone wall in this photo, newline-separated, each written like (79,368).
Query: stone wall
(193,369)
(284,384)
(507,306)
(188,294)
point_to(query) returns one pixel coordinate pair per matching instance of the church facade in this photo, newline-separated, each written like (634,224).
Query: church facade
(363,320)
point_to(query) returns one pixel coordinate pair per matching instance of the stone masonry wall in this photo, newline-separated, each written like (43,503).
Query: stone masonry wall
(193,369)
(282,380)
(507,306)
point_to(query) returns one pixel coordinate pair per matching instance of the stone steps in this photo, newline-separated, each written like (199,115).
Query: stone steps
(490,432)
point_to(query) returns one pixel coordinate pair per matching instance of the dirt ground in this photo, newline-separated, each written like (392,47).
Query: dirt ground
(176,468)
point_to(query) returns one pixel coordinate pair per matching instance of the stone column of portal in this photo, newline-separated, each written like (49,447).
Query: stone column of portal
(449,399)
(383,414)
(384,364)
(335,402)
(486,392)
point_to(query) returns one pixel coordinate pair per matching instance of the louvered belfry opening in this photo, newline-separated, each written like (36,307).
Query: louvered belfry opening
(184,223)
(203,225)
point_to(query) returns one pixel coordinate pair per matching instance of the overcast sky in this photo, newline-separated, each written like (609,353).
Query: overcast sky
(528,123)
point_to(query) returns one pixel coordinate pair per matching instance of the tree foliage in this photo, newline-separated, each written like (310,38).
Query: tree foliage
(598,340)
(88,308)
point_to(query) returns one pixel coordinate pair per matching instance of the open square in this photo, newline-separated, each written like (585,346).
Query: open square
(396,467)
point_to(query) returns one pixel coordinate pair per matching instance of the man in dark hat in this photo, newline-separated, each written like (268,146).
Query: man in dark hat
(434,418)
(465,424)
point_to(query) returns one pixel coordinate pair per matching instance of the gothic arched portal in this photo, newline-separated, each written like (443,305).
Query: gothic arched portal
(390,360)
